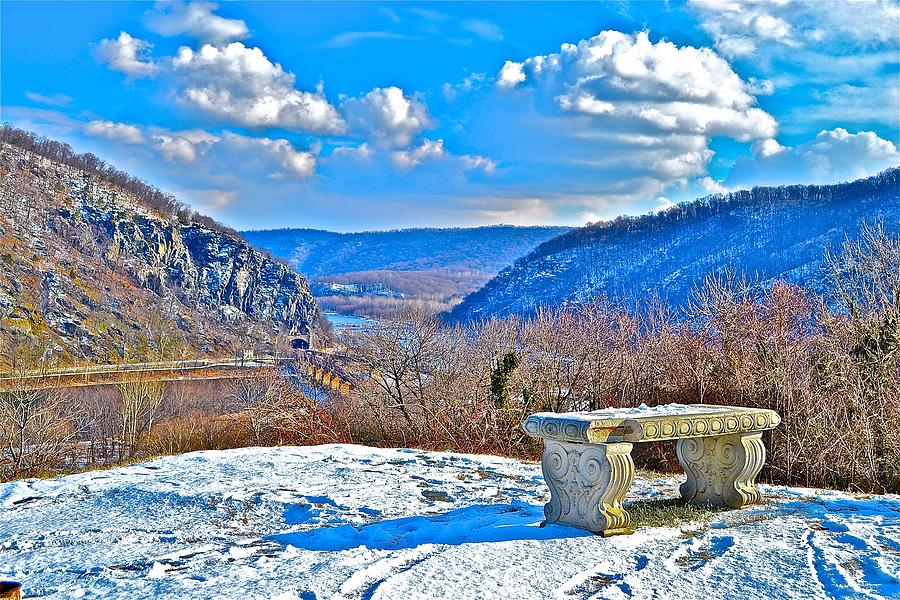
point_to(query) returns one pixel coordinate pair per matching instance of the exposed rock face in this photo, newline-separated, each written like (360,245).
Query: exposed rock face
(207,268)
(93,258)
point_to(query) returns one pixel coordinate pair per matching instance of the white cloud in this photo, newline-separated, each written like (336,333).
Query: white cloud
(741,28)
(127,55)
(475,162)
(610,123)
(52,99)
(486,30)
(470,82)
(195,19)
(388,116)
(586,104)
(511,74)
(663,204)
(428,150)
(300,163)
(184,146)
(660,85)
(513,211)
(242,86)
(766,148)
(832,156)
(351,38)
(175,149)
(760,87)
(212,199)
(360,152)
(118,132)
(711,186)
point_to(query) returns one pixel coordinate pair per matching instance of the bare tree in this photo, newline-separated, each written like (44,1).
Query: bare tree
(35,425)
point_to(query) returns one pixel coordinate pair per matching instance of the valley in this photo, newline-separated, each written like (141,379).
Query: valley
(384,273)
(433,300)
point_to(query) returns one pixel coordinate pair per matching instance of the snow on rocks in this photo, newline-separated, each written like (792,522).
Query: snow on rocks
(344,521)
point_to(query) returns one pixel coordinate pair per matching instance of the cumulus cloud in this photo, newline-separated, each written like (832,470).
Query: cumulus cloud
(296,162)
(511,74)
(711,186)
(184,146)
(118,132)
(832,156)
(766,148)
(195,19)
(621,119)
(391,118)
(242,86)
(660,85)
(842,54)
(428,150)
(52,99)
(608,124)
(126,54)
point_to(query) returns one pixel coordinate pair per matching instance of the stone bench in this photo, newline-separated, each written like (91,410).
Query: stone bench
(587,458)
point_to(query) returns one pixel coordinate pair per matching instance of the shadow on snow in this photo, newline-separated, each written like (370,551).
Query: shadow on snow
(472,524)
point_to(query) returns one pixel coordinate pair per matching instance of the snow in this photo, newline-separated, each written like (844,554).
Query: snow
(642,411)
(343,521)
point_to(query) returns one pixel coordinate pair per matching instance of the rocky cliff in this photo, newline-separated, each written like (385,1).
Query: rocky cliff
(87,265)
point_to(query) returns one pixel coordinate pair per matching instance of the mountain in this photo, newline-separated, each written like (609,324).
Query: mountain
(769,233)
(90,265)
(387,267)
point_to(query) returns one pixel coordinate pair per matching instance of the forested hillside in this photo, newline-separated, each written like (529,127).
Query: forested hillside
(377,271)
(768,233)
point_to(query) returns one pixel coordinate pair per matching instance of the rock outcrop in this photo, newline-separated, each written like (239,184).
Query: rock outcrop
(84,261)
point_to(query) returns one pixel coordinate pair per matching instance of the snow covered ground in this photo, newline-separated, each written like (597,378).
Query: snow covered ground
(356,522)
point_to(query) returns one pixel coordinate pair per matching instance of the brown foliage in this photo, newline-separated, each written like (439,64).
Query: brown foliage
(832,374)
(832,370)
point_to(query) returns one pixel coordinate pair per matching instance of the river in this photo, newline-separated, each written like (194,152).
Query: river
(342,322)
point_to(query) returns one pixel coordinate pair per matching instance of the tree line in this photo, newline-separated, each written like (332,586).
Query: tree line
(147,195)
(829,366)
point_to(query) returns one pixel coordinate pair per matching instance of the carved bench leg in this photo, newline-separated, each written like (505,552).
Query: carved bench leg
(721,469)
(587,484)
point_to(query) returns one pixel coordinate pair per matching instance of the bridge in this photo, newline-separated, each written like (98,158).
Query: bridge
(320,368)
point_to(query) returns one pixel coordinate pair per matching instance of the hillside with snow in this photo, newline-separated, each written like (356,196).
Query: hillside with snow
(767,233)
(355,522)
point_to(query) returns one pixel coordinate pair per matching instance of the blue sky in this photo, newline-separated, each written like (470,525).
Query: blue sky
(353,116)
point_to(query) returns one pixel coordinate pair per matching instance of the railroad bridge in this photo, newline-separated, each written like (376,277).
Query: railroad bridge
(322,369)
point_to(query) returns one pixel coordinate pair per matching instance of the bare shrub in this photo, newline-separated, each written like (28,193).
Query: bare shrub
(831,372)
(35,425)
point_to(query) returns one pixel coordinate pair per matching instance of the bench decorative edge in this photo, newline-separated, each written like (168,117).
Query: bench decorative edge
(583,428)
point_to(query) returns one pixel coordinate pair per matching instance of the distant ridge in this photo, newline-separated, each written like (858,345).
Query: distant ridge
(399,266)
(316,252)
(767,232)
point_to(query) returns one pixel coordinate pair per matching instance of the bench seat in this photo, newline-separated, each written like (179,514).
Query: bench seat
(588,467)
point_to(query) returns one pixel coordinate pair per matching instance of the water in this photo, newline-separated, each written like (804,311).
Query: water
(339,321)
